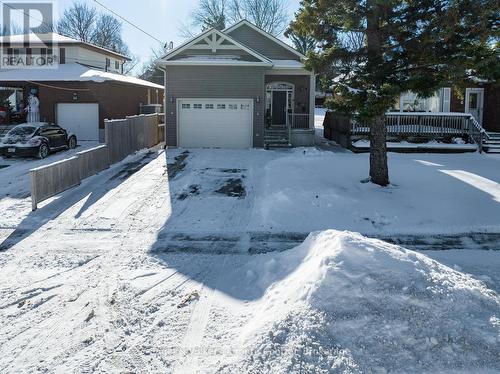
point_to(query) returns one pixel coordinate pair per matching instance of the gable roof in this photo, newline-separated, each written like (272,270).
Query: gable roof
(50,38)
(244,22)
(213,44)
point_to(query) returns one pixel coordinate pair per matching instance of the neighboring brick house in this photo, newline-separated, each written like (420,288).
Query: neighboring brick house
(78,84)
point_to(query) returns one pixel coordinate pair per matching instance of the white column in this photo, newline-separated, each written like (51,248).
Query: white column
(312,99)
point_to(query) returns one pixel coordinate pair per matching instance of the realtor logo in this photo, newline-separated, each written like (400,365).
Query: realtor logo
(27,40)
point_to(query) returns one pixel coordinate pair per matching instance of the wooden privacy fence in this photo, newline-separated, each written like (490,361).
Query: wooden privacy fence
(49,180)
(126,136)
(123,137)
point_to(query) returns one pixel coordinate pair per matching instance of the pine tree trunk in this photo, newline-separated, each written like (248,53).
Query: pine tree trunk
(379,172)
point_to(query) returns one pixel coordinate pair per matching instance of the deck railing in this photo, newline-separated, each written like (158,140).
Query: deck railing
(429,125)
(298,121)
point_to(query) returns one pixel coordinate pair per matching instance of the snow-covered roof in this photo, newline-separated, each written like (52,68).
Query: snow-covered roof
(72,72)
(52,38)
(287,64)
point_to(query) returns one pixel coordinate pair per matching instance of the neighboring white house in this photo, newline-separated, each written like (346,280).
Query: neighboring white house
(51,49)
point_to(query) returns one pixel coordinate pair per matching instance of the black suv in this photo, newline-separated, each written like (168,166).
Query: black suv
(36,140)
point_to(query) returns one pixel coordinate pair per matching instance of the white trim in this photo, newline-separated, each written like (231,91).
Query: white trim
(312,100)
(215,63)
(266,34)
(281,71)
(446,99)
(480,102)
(287,90)
(213,32)
(177,127)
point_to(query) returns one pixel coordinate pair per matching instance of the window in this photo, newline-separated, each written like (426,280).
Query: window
(186,106)
(117,65)
(108,63)
(197,106)
(221,106)
(209,106)
(245,106)
(233,106)
(62,56)
(411,102)
(473,100)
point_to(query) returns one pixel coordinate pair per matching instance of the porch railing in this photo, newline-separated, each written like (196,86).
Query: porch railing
(429,124)
(298,121)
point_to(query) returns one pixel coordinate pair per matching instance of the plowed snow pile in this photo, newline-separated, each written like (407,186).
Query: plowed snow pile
(359,305)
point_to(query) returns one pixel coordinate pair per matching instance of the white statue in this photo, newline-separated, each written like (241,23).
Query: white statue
(33,109)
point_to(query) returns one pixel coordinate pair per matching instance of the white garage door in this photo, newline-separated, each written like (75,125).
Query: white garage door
(224,123)
(80,119)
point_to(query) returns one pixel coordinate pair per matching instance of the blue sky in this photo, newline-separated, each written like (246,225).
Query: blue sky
(161,18)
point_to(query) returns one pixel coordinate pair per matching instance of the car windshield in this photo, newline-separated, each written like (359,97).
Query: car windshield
(21,131)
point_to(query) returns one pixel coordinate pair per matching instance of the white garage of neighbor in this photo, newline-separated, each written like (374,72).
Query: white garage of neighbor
(79,119)
(222,123)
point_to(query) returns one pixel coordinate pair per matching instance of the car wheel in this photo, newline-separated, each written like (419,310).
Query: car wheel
(72,143)
(43,151)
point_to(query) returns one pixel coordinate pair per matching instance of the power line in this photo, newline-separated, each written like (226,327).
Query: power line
(129,22)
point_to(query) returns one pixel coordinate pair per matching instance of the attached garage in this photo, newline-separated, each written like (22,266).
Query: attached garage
(217,123)
(80,119)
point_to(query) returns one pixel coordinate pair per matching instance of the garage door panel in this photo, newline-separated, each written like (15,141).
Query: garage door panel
(224,123)
(81,119)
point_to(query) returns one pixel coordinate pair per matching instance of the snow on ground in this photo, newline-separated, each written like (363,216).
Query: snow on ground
(146,267)
(15,183)
(343,303)
(305,190)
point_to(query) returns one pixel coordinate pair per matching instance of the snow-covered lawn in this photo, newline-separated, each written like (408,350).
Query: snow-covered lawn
(107,277)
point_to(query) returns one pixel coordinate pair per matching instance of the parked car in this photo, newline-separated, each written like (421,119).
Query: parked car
(36,140)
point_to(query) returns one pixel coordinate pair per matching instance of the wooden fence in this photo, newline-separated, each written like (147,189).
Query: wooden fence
(123,137)
(49,180)
(93,161)
(126,136)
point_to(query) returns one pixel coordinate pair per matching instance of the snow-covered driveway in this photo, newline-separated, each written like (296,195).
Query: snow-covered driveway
(105,277)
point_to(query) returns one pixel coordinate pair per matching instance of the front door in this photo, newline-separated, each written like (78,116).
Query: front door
(474,102)
(279,108)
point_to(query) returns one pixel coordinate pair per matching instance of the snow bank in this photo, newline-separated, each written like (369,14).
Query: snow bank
(361,305)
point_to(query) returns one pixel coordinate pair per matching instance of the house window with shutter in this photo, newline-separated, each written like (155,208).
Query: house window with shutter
(108,63)
(446,103)
(117,65)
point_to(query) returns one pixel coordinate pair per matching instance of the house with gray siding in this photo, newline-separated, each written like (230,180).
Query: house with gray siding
(237,88)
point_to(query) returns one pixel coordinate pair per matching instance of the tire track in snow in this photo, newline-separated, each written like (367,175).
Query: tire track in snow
(192,343)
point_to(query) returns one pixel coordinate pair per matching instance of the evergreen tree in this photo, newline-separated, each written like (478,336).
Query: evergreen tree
(371,51)
(302,43)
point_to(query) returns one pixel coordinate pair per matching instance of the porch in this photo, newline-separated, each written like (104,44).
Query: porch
(289,110)
(417,127)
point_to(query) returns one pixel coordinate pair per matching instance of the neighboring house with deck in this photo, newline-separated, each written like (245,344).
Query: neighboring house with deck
(473,115)
(78,84)
(238,88)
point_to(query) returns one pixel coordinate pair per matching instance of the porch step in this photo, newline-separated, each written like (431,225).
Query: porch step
(277,145)
(276,133)
(277,137)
